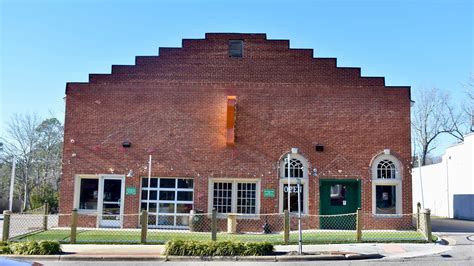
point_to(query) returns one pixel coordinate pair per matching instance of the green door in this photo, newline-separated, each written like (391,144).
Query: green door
(338,197)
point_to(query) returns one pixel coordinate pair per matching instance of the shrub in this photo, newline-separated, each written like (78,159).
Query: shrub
(5,250)
(35,248)
(217,248)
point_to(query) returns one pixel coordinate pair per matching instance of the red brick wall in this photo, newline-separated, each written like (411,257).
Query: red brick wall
(176,102)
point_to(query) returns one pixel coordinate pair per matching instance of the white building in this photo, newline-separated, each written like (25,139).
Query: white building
(447,188)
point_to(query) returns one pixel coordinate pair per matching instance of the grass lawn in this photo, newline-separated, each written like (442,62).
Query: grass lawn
(159,237)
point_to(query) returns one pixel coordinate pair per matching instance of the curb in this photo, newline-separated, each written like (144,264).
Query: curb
(284,258)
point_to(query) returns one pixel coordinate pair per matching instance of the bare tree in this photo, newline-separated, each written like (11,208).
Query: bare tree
(468,105)
(433,115)
(21,144)
(36,146)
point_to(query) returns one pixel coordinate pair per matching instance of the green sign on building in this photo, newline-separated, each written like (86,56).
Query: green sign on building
(131,191)
(268,193)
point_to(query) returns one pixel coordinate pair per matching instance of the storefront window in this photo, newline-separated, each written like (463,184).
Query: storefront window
(89,192)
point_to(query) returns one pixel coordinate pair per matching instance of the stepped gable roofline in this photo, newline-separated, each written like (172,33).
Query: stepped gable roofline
(122,69)
(235,35)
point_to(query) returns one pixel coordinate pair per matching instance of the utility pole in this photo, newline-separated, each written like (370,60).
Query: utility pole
(12,185)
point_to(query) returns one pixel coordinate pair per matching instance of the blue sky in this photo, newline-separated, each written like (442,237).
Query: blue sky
(44,45)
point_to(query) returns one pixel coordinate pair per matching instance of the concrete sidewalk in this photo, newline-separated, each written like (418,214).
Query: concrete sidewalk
(319,252)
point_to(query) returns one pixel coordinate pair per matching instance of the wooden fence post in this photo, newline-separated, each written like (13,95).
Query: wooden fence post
(144,223)
(45,216)
(286,228)
(428,234)
(359,225)
(73,226)
(214,225)
(418,210)
(6,226)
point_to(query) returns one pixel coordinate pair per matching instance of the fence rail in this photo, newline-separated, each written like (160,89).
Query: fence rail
(278,228)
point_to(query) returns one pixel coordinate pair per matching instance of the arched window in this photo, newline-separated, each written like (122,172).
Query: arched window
(386,170)
(386,185)
(298,169)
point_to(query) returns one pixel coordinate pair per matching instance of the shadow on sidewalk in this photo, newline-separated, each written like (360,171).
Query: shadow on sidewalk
(452,225)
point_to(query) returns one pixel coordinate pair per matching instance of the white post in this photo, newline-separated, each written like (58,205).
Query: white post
(289,183)
(421,185)
(300,235)
(12,185)
(447,185)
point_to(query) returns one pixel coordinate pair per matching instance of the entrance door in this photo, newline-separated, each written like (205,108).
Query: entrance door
(111,203)
(339,197)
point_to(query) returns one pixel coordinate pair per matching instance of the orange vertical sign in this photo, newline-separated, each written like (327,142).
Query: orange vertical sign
(231,114)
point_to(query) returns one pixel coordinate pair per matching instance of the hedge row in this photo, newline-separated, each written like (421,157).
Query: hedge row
(32,248)
(217,248)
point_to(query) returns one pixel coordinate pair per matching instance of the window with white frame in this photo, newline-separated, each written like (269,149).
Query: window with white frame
(236,196)
(246,198)
(88,193)
(167,200)
(296,168)
(386,185)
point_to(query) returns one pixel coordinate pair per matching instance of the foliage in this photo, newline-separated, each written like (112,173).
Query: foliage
(44,193)
(217,248)
(36,146)
(44,247)
(433,115)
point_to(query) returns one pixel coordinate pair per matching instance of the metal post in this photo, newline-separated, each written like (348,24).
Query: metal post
(45,216)
(287,227)
(73,226)
(359,225)
(429,236)
(144,228)
(289,183)
(214,225)
(6,226)
(421,183)
(300,235)
(12,185)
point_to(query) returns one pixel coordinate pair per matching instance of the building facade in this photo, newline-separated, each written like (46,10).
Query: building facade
(447,188)
(213,124)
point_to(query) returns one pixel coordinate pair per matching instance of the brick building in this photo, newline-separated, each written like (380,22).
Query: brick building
(220,117)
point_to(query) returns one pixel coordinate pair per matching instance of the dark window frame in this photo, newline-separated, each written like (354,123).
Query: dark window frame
(236,48)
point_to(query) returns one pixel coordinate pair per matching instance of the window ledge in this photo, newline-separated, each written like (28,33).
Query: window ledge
(84,211)
(223,216)
(384,216)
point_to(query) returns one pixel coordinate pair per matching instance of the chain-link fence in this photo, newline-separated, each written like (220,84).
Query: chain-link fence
(278,228)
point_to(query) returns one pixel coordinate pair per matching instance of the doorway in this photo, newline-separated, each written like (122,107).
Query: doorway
(339,196)
(111,201)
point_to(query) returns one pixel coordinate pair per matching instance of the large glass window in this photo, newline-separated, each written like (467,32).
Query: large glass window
(168,201)
(89,192)
(386,199)
(235,197)
(246,198)
(294,171)
(386,185)
(222,200)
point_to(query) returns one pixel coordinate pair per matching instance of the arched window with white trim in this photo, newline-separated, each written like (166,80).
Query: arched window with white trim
(298,169)
(386,185)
